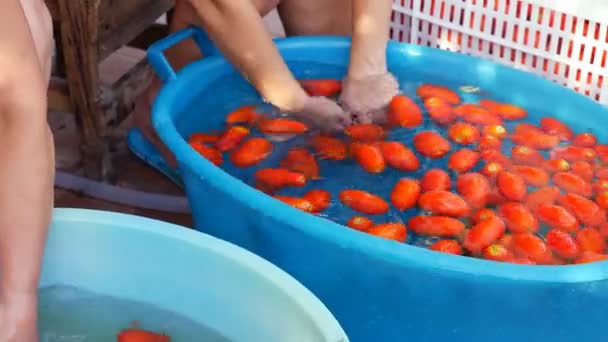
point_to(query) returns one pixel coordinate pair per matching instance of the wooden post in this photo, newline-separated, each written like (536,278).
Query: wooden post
(79,36)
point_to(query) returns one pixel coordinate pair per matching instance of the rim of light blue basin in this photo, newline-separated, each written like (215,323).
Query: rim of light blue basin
(206,71)
(307,302)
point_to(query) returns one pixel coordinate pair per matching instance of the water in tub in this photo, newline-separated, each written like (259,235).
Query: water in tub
(69,314)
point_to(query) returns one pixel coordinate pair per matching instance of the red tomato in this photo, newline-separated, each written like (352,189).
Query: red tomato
(426,91)
(573,153)
(320,199)
(533,176)
(405,193)
(447,246)
(570,182)
(585,140)
(532,247)
(368,156)
(474,188)
(562,243)
(281,126)
(556,165)
(365,132)
(492,169)
(329,147)
(463,133)
(435,179)
(518,218)
(525,155)
(391,231)
(547,195)
(585,210)
(364,202)
(482,214)
(360,223)
(511,185)
(398,156)
(489,142)
(463,160)
(440,111)
(557,217)
(251,152)
(590,240)
(555,127)
(583,169)
(484,234)
(431,144)
(497,252)
(138,335)
(436,226)
(444,203)
(404,112)
(588,257)
(477,115)
(327,88)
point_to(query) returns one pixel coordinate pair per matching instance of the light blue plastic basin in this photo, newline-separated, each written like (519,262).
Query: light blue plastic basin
(380,290)
(207,280)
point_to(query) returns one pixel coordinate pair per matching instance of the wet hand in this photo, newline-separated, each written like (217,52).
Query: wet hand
(323,113)
(366,99)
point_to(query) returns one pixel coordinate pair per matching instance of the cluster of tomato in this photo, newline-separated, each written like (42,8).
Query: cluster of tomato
(498,205)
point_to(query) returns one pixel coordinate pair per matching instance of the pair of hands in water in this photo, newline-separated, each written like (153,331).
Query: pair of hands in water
(361,101)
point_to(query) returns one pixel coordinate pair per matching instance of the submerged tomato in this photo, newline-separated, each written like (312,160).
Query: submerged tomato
(463,160)
(444,203)
(474,188)
(364,202)
(405,193)
(511,185)
(360,223)
(404,112)
(483,234)
(447,246)
(436,226)
(391,231)
(431,144)
(435,179)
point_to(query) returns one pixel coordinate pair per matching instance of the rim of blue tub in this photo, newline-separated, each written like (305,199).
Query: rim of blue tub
(301,296)
(390,251)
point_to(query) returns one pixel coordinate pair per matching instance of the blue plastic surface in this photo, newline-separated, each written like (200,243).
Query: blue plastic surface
(381,290)
(200,277)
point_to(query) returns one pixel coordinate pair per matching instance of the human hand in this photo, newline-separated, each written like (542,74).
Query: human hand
(18,318)
(366,99)
(323,113)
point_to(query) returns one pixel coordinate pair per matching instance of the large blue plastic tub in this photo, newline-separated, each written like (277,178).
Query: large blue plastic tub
(381,290)
(207,280)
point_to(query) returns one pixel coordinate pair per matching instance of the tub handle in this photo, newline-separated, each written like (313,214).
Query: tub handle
(156,51)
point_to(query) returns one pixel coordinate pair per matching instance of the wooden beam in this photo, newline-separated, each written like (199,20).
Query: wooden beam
(79,37)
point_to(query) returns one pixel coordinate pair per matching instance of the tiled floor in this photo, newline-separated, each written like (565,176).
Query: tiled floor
(134,173)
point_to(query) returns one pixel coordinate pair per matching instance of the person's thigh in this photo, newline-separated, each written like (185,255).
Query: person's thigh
(316,17)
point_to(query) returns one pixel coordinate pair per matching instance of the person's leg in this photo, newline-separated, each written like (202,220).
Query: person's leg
(316,17)
(179,56)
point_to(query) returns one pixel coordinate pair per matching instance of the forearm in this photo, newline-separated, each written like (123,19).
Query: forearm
(26,149)
(239,33)
(26,199)
(371,25)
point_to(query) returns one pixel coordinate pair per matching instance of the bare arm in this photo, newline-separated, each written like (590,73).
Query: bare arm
(239,33)
(26,152)
(371,25)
